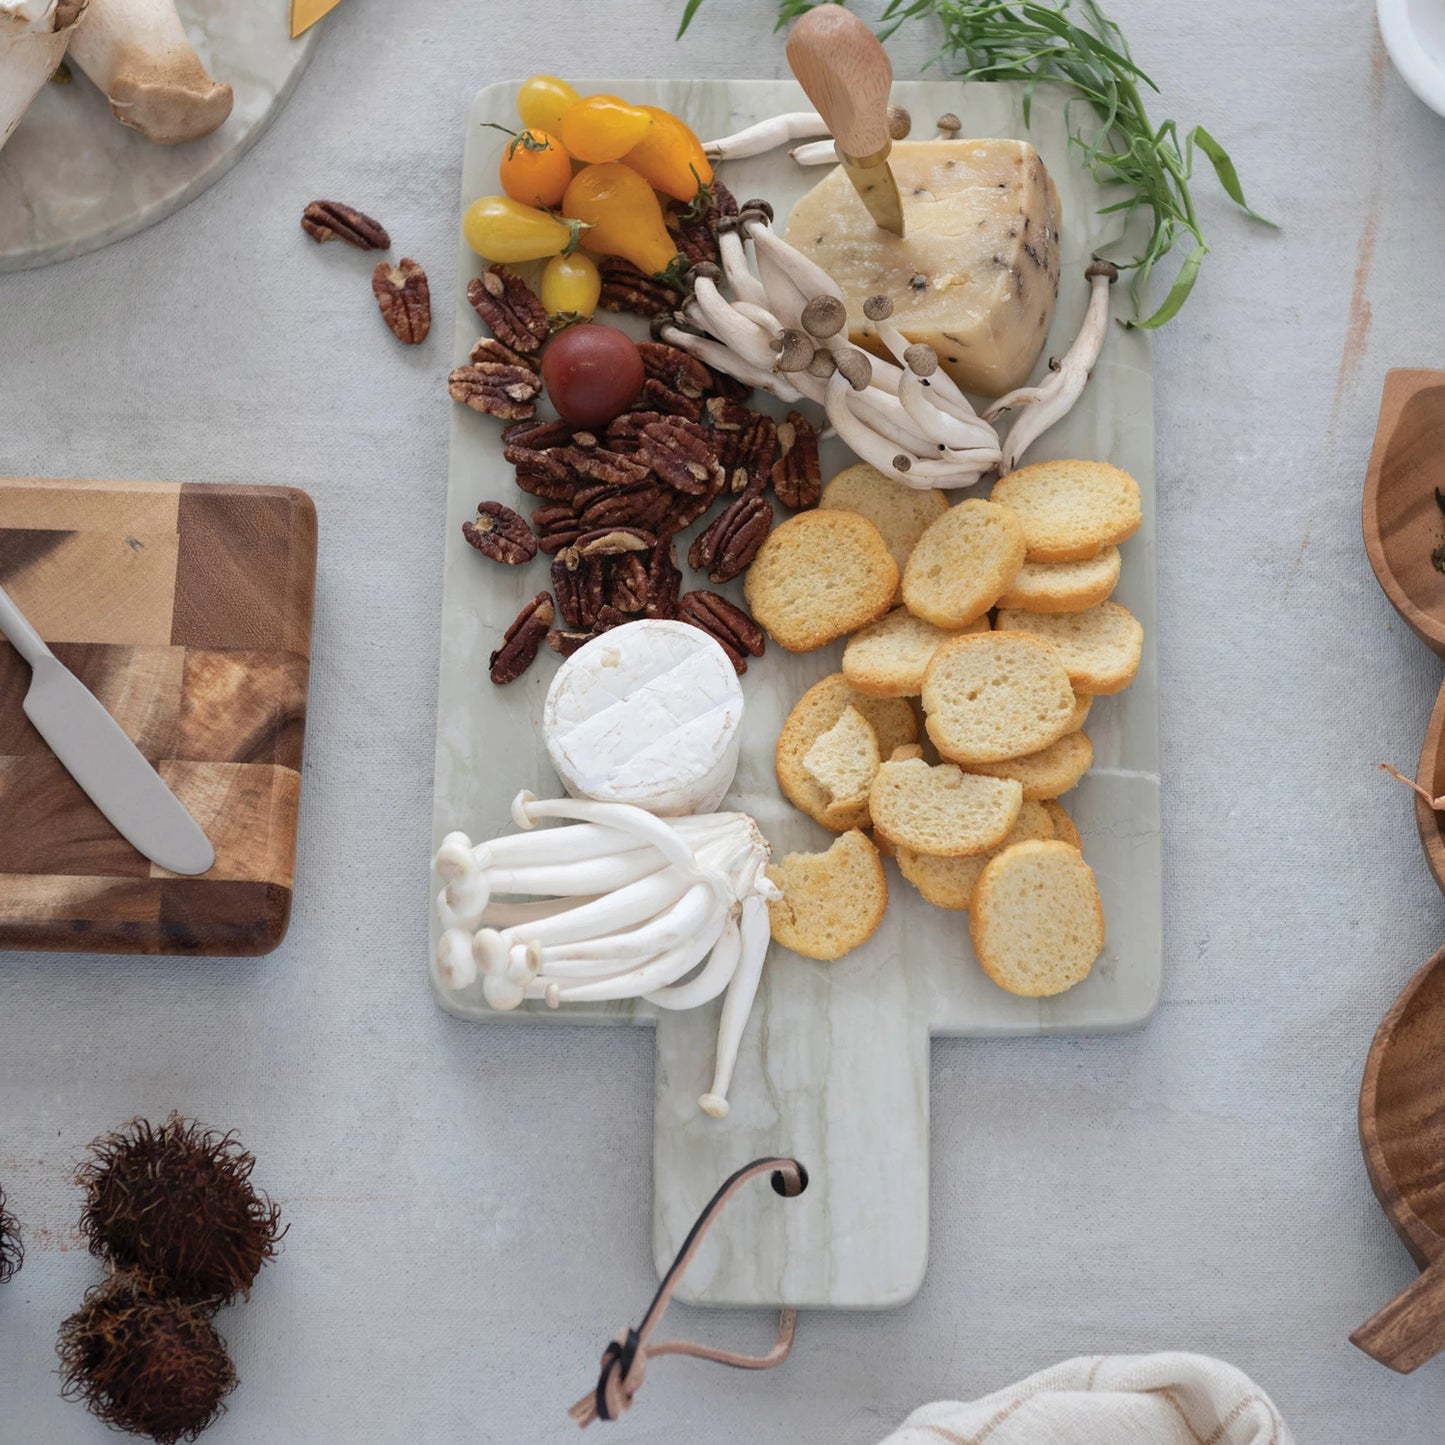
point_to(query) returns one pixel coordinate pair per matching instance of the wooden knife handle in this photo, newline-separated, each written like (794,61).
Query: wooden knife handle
(847,75)
(1411,1328)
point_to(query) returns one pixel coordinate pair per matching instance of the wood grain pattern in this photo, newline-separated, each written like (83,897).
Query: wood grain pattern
(1402,1137)
(187,610)
(1402,521)
(1430,774)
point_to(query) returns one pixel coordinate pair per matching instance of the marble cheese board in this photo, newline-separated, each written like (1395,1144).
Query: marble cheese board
(834,1065)
(73,179)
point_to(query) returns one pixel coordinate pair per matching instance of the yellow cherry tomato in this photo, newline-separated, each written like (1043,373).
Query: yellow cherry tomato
(543,100)
(536,170)
(502,229)
(571,285)
(603,128)
(623,216)
(670,157)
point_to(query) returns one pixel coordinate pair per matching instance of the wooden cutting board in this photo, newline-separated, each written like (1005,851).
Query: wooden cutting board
(187,610)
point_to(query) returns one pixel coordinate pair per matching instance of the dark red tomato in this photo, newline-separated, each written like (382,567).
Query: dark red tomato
(592,373)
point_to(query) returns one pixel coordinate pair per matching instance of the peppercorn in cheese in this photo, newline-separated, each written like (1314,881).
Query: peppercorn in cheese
(977,273)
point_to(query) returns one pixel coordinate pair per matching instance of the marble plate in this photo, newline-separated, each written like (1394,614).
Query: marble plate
(834,1065)
(73,179)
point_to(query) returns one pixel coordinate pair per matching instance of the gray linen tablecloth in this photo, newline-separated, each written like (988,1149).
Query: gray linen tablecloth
(470,1207)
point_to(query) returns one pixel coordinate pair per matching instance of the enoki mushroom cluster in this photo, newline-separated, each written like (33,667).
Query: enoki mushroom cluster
(629,905)
(173,1212)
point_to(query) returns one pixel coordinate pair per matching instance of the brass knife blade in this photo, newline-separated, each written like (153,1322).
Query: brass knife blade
(877,187)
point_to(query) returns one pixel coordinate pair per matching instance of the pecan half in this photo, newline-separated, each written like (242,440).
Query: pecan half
(493,387)
(588,459)
(536,449)
(687,507)
(675,369)
(557,527)
(609,617)
(746,442)
(522,639)
(332,221)
(500,534)
(627,589)
(567,643)
(488,348)
(667,402)
(404,298)
(632,504)
(797,474)
(728,625)
(510,307)
(580,585)
(680,453)
(664,580)
(546,486)
(609,541)
(730,542)
(625,288)
(625,433)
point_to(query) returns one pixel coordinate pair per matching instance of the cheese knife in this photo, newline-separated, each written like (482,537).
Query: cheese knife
(847,75)
(101,758)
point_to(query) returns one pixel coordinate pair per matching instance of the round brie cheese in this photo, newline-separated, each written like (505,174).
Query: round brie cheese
(649,713)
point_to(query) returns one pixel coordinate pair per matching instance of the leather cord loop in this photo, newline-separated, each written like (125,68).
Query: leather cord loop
(624,1361)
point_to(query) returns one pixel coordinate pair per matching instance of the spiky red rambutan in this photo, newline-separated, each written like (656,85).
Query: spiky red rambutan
(175,1204)
(143,1361)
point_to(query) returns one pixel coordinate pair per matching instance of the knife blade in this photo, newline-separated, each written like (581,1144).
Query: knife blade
(847,75)
(96,752)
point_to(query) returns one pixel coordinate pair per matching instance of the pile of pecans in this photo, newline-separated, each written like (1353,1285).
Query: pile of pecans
(612,501)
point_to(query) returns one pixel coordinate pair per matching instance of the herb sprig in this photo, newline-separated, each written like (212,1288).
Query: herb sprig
(1037,41)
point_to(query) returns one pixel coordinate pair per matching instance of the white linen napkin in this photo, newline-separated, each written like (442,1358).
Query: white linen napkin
(1171,1399)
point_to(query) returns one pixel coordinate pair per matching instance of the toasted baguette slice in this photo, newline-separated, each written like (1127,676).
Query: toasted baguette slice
(819,576)
(892,719)
(831,901)
(843,761)
(889,657)
(1048,772)
(1064,829)
(1071,511)
(942,810)
(948,882)
(1036,919)
(900,513)
(1083,701)
(1100,649)
(963,563)
(995,695)
(1064,586)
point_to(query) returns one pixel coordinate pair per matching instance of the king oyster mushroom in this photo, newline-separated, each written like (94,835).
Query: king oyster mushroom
(33,38)
(137,52)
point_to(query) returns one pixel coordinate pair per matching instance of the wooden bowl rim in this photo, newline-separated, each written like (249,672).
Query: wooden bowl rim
(1402,385)
(1424,1244)
(1427,821)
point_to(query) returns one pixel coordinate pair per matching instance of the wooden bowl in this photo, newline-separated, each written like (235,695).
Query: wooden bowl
(1402,1136)
(1403,522)
(1430,775)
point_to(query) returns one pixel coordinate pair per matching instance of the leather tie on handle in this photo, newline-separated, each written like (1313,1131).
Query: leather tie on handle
(624,1361)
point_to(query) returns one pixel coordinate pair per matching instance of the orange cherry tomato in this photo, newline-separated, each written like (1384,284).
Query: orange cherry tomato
(623,215)
(603,128)
(536,169)
(670,157)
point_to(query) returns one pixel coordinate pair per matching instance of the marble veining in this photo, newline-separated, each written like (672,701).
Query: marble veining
(834,1064)
(73,179)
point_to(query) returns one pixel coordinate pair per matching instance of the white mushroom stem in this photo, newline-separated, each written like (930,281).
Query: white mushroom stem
(947,394)
(806,274)
(766,135)
(137,53)
(755,936)
(33,38)
(815,153)
(709,309)
(711,980)
(733,252)
(687,916)
(714,354)
(1054,399)
(666,968)
(587,875)
(527,808)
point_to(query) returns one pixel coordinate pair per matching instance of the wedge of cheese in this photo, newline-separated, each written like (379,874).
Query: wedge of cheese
(977,273)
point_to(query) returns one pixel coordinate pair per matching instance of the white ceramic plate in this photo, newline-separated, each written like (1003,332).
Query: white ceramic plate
(834,1066)
(1414,35)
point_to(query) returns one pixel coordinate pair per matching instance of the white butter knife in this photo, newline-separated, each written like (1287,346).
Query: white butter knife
(101,758)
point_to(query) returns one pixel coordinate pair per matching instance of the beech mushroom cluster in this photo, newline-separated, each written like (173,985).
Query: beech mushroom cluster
(136,52)
(629,905)
(783,327)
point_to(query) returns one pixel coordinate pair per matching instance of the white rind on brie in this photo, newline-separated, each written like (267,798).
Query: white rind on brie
(649,713)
